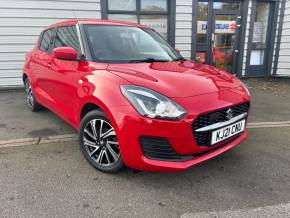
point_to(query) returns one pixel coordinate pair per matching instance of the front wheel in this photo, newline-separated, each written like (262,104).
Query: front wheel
(99,143)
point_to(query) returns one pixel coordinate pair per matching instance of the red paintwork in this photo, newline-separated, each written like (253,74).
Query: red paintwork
(196,87)
(65,53)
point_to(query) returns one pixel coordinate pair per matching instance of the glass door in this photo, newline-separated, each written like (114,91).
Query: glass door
(260,39)
(217,33)
(224,41)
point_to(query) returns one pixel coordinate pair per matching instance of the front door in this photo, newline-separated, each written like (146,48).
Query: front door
(65,75)
(218,28)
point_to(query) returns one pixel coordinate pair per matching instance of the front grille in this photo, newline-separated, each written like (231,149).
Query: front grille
(204,138)
(160,149)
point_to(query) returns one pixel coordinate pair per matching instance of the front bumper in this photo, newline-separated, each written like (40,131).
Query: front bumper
(165,166)
(131,127)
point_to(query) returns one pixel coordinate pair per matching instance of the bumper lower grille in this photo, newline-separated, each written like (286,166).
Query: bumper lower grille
(204,138)
(160,149)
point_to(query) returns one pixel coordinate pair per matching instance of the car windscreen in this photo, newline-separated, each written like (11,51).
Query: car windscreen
(124,44)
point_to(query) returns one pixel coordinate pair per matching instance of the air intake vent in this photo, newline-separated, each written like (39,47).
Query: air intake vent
(203,138)
(160,149)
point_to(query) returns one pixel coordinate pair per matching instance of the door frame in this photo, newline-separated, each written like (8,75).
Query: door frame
(236,42)
(242,14)
(254,70)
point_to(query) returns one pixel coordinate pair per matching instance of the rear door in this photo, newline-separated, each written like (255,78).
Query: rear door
(65,74)
(40,66)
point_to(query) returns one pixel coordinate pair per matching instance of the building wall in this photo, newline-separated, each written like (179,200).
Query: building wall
(183,27)
(283,67)
(21,21)
(277,36)
(247,37)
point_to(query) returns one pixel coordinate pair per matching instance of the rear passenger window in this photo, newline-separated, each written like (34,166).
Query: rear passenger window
(46,43)
(67,37)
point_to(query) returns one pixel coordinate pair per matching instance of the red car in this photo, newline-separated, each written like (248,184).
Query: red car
(133,98)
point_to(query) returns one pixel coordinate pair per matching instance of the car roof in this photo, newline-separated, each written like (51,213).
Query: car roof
(95,22)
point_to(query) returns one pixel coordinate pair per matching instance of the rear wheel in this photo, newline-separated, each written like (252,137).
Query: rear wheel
(32,104)
(99,143)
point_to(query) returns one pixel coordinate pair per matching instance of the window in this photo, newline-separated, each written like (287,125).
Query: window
(157,22)
(202,31)
(260,30)
(122,44)
(67,37)
(123,17)
(202,22)
(153,5)
(46,44)
(200,57)
(124,5)
(151,13)
(226,5)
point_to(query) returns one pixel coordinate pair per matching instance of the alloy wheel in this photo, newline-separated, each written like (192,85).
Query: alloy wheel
(29,94)
(101,143)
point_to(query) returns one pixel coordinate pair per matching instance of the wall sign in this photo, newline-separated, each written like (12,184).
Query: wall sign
(221,26)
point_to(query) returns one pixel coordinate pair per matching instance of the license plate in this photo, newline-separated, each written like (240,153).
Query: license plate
(227,132)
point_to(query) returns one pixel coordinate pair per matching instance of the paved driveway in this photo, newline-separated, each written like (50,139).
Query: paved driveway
(54,180)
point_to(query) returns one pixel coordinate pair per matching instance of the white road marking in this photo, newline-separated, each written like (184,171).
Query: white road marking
(37,140)
(268,124)
(73,137)
(277,211)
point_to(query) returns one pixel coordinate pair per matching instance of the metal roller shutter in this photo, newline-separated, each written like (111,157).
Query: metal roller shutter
(21,21)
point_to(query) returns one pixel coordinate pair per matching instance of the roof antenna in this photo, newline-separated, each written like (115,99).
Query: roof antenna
(74,13)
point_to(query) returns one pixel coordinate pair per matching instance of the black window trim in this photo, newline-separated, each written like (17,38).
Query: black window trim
(61,26)
(41,37)
(83,55)
(138,10)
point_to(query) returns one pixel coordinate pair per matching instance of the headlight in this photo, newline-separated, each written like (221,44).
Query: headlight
(151,104)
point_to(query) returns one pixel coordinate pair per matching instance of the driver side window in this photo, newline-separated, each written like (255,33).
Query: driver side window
(67,36)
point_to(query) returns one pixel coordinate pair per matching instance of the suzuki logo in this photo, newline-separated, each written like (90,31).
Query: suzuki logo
(230,114)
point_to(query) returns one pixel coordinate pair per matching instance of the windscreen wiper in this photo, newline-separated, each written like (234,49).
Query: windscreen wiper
(148,60)
(180,59)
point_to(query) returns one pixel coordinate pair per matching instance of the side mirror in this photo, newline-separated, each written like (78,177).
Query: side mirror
(177,50)
(65,53)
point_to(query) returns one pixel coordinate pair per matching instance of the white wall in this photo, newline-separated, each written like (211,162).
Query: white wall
(283,67)
(21,21)
(183,27)
(247,37)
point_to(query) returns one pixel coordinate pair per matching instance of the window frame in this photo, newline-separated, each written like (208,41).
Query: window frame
(41,38)
(79,39)
(170,13)
(265,69)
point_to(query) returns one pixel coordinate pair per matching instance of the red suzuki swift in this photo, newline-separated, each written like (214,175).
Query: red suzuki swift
(134,99)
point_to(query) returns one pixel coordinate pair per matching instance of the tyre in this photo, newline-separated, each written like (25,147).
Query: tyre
(32,104)
(99,143)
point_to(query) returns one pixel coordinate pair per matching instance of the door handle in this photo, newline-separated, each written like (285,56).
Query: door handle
(49,65)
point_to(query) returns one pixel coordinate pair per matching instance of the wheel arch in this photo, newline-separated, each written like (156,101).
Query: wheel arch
(24,77)
(88,107)
(92,103)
